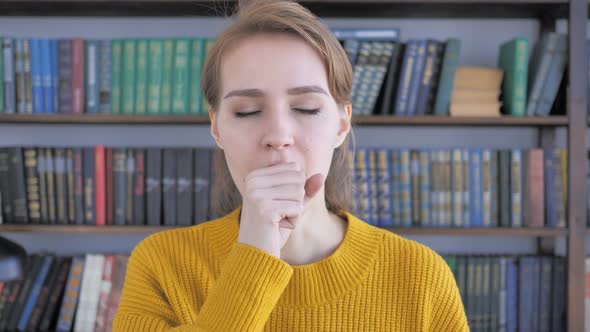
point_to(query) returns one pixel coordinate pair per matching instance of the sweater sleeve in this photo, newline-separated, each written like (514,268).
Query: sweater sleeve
(448,310)
(249,285)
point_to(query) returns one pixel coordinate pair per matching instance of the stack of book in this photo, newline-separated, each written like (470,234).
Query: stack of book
(476,91)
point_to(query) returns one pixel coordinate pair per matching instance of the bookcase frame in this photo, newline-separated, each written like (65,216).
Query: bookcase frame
(546,11)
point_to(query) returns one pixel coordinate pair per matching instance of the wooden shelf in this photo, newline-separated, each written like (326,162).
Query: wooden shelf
(530,232)
(324,8)
(204,119)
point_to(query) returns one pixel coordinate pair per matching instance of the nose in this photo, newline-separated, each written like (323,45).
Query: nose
(278,132)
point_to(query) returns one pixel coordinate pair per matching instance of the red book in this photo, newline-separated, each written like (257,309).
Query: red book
(109,185)
(534,191)
(78,75)
(99,186)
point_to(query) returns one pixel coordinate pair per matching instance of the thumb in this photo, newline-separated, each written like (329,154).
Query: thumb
(312,186)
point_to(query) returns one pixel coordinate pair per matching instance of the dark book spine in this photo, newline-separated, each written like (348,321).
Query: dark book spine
(129,186)
(169,186)
(49,316)
(19,202)
(391,80)
(436,70)
(32,181)
(42,172)
(153,186)
(78,186)
(4,295)
(5,184)
(60,184)
(37,284)
(70,188)
(425,86)
(50,176)
(139,188)
(119,190)
(89,208)
(184,188)
(109,184)
(78,75)
(9,304)
(35,319)
(24,292)
(65,75)
(201,176)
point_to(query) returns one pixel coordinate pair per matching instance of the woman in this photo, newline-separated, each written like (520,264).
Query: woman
(288,256)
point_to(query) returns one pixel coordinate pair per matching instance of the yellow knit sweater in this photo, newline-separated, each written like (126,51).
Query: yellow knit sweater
(200,279)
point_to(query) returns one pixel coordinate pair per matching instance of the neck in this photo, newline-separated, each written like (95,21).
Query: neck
(319,232)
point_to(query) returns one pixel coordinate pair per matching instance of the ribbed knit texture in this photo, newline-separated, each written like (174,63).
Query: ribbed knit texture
(200,279)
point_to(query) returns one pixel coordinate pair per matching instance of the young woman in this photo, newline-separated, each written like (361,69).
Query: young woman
(287,255)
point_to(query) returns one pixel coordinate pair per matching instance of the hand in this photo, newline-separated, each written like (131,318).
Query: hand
(274,198)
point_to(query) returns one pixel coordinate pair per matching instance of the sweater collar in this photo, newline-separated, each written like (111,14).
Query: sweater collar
(327,279)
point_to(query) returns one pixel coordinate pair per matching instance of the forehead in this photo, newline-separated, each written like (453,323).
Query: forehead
(271,61)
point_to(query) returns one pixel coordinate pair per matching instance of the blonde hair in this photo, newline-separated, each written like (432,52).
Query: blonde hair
(282,16)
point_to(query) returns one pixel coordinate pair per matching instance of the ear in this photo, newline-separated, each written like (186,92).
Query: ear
(214,130)
(344,125)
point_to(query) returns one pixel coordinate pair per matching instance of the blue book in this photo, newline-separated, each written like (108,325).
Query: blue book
(54,76)
(396,187)
(46,75)
(384,187)
(403,90)
(92,76)
(512,282)
(36,288)
(554,76)
(373,192)
(539,67)
(545,294)
(558,299)
(526,297)
(475,187)
(550,199)
(405,189)
(416,76)
(466,185)
(36,78)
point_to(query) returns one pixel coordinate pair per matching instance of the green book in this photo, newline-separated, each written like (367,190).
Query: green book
(208,44)
(181,76)
(116,54)
(141,81)
(167,73)
(129,61)
(513,60)
(197,58)
(452,263)
(447,76)
(155,58)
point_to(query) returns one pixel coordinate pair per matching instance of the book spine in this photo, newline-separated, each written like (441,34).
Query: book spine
(139,188)
(201,173)
(32,183)
(116,75)
(156,54)
(27,77)
(129,186)
(91,65)
(128,76)
(79,185)
(60,186)
(119,185)
(99,185)
(141,82)
(78,76)
(9,71)
(196,67)
(104,85)
(167,75)
(71,295)
(180,78)
(384,188)
(153,186)
(402,97)
(65,76)
(169,186)
(447,76)
(89,191)
(70,186)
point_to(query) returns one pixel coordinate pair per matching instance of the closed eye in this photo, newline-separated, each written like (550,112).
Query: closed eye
(245,114)
(313,111)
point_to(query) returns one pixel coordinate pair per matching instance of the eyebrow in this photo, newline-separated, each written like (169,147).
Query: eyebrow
(255,93)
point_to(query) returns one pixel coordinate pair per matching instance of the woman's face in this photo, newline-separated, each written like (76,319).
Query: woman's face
(275,107)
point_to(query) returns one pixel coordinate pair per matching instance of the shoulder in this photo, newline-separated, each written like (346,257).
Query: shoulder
(202,241)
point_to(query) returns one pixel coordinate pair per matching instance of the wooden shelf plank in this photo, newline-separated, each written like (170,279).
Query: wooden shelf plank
(530,232)
(323,8)
(204,119)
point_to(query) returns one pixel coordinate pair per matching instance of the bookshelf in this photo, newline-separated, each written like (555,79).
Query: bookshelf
(546,11)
